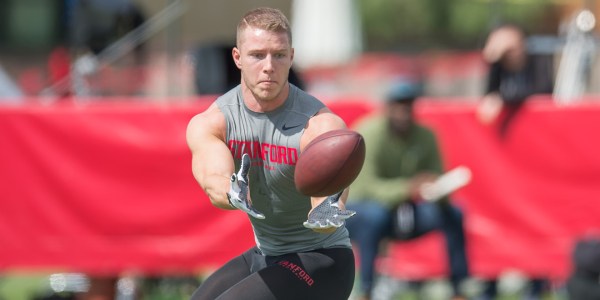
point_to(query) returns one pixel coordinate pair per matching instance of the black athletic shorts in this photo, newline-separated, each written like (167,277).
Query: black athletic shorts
(326,274)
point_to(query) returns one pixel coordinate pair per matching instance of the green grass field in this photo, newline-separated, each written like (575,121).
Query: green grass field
(26,286)
(22,286)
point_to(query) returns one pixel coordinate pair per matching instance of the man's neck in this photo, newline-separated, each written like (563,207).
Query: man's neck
(256,104)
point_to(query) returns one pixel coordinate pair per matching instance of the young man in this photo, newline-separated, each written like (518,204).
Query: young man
(403,156)
(259,128)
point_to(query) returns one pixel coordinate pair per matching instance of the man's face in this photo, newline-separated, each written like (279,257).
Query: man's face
(265,59)
(400,117)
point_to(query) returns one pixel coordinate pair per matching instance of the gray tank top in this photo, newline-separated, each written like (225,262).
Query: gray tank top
(272,140)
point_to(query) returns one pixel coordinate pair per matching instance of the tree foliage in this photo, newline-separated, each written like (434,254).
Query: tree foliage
(414,25)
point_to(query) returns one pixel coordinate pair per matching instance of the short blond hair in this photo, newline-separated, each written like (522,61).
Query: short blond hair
(266,18)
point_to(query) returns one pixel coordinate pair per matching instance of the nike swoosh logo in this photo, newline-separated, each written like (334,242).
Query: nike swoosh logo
(291,127)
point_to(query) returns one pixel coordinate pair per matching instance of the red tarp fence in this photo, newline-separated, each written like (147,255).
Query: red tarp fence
(107,187)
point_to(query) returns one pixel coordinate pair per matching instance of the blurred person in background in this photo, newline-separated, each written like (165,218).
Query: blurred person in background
(402,156)
(514,75)
(584,281)
(96,27)
(294,257)
(96,24)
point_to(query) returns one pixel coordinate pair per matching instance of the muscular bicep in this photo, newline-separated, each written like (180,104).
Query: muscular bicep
(212,163)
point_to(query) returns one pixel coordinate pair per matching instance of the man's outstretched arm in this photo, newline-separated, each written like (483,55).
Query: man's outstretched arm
(212,163)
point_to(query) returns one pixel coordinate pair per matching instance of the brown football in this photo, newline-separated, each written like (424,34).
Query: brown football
(330,163)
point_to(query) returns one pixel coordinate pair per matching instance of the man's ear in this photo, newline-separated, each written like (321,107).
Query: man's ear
(235,53)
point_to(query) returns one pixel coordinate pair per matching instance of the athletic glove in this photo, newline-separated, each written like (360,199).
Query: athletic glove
(328,214)
(238,192)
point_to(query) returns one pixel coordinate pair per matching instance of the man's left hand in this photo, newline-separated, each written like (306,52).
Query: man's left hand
(327,216)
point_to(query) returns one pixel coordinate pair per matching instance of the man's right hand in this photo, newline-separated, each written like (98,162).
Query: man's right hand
(417,182)
(238,195)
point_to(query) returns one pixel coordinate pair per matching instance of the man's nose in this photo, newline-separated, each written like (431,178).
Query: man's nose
(269,66)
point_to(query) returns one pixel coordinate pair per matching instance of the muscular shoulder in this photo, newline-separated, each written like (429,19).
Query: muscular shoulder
(210,122)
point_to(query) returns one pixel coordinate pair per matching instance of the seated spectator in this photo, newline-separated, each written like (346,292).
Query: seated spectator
(401,157)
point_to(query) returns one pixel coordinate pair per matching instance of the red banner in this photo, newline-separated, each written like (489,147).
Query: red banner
(107,188)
